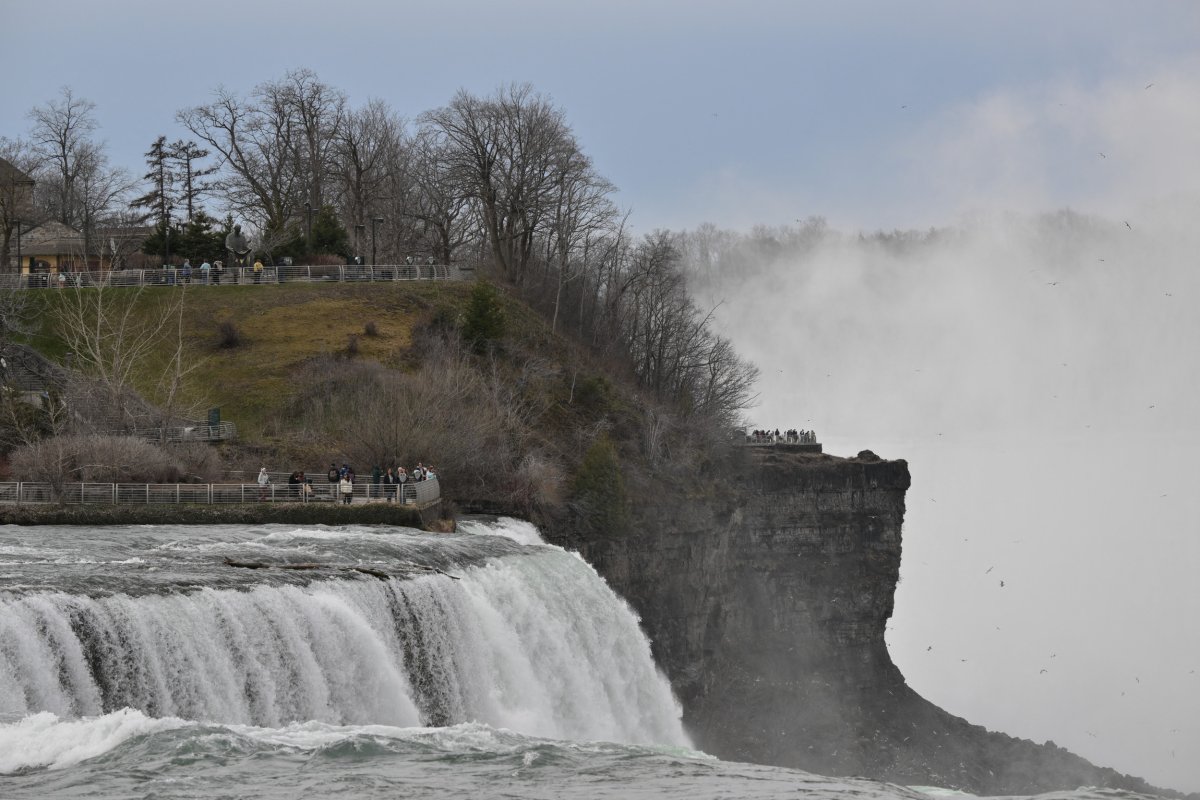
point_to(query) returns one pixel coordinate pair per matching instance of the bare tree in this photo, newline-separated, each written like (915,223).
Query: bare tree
(369,150)
(507,152)
(316,113)
(111,334)
(61,132)
(277,147)
(582,210)
(440,202)
(103,193)
(262,181)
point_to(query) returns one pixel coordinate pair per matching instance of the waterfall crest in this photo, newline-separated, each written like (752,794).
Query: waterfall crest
(536,643)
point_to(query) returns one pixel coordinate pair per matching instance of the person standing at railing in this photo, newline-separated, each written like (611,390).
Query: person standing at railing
(389,485)
(217,268)
(346,488)
(205,270)
(186,271)
(376,481)
(258,270)
(264,483)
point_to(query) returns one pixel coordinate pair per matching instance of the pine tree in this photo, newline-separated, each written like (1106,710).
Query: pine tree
(157,201)
(192,186)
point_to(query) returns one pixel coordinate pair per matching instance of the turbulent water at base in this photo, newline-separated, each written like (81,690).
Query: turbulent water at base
(276,662)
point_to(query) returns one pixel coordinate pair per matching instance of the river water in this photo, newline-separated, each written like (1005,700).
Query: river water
(275,661)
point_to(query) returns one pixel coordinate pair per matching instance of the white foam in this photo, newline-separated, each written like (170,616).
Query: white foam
(313,735)
(518,530)
(44,740)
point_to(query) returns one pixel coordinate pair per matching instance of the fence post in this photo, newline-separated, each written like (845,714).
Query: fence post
(18,492)
(210,494)
(114,493)
(147,494)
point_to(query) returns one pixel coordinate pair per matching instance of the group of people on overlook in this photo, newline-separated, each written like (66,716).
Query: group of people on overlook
(211,273)
(792,436)
(341,481)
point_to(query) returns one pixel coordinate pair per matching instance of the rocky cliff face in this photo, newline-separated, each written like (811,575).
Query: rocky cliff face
(766,605)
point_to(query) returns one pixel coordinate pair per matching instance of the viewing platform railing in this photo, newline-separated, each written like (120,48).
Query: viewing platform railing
(232,276)
(416,493)
(187,433)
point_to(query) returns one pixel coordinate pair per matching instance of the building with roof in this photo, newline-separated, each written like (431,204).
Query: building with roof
(16,209)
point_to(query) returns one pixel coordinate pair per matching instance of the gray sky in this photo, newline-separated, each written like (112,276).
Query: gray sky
(873,115)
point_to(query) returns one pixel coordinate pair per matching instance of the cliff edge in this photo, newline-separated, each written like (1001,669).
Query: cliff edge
(766,601)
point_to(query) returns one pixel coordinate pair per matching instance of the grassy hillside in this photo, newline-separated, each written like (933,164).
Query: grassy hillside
(281,328)
(516,421)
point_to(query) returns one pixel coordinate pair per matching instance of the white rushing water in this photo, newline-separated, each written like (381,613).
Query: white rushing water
(536,643)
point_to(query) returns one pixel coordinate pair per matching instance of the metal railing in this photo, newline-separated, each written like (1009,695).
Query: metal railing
(187,433)
(231,276)
(418,493)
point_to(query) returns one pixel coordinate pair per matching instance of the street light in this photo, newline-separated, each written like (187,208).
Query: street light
(374,224)
(358,229)
(167,237)
(308,209)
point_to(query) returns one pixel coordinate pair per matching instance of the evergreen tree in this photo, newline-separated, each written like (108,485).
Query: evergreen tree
(201,238)
(484,322)
(157,202)
(192,186)
(328,235)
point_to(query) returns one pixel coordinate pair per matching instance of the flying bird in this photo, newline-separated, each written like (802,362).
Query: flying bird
(1127,225)
(1001,584)
(1042,672)
(989,569)
(1103,156)
(1148,85)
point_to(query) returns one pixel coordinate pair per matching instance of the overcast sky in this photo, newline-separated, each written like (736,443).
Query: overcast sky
(874,115)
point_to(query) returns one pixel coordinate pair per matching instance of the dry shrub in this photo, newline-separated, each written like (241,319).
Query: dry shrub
(229,336)
(352,346)
(371,329)
(471,426)
(537,482)
(200,461)
(96,458)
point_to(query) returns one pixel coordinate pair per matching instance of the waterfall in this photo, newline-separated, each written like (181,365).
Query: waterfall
(535,643)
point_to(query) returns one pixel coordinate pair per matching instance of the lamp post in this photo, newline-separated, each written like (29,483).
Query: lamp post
(167,238)
(18,249)
(308,209)
(358,229)
(374,224)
